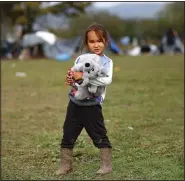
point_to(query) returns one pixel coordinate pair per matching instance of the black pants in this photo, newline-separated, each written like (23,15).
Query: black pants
(88,117)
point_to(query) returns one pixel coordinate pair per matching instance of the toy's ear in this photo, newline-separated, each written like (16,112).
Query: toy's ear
(78,67)
(83,58)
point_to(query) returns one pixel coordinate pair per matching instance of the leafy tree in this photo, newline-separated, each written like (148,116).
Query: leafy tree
(25,13)
(113,24)
(173,14)
(5,8)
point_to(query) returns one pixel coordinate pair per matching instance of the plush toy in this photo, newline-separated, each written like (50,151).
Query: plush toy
(90,65)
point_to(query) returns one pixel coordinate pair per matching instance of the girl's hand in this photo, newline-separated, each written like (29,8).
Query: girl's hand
(78,75)
(69,80)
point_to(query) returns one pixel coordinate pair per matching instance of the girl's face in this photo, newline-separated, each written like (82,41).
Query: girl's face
(94,43)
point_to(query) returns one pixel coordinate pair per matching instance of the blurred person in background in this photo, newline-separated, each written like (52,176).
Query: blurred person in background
(171,43)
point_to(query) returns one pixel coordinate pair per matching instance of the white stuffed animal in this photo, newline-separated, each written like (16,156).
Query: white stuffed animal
(91,67)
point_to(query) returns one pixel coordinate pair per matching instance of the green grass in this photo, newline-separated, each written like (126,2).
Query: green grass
(146,94)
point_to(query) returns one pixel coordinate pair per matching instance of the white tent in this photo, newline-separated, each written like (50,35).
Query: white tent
(47,36)
(138,50)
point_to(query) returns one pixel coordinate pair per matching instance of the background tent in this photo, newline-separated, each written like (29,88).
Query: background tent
(139,50)
(70,46)
(48,42)
(30,40)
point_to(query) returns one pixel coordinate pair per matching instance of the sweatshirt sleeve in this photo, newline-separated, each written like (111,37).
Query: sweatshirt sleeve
(103,81)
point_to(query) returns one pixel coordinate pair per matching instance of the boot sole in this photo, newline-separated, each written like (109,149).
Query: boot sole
(64,173)
(101,172)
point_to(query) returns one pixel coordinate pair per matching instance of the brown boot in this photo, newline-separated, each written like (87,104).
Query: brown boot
(106,161)
(65,162)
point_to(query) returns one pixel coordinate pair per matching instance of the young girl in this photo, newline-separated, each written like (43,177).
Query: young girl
(88,113)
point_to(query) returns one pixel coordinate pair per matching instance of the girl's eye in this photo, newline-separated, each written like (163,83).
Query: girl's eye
(94,42)
(92,69)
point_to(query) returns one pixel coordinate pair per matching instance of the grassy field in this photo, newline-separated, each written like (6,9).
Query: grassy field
(143,110)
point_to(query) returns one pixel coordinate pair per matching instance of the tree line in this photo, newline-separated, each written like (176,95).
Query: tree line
(25,13)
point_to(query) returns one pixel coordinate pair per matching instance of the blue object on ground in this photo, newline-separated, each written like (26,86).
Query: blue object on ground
(62,57)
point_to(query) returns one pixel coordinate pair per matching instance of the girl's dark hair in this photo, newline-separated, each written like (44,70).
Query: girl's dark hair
(100,31)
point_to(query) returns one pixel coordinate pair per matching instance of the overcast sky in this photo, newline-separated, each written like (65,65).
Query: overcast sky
(105,4)
(101,4)
(109,4)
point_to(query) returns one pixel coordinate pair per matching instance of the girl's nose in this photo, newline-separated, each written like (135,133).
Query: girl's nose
(96,44)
